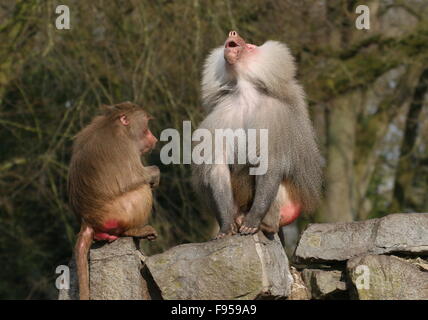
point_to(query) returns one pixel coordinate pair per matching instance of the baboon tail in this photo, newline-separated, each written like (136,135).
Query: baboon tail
(81,250)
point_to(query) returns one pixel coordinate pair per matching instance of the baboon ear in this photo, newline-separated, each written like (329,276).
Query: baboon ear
(124,119)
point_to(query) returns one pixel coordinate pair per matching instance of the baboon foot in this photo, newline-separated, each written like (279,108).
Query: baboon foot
(146,232)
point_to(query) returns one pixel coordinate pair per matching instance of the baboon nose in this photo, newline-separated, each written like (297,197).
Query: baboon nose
(233,34)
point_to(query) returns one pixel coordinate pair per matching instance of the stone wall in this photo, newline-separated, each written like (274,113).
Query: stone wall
(375,259)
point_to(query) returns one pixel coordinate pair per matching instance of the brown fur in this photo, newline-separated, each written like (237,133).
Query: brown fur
(107,180)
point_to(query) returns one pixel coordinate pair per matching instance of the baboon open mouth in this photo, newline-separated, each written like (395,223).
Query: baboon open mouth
(231,44)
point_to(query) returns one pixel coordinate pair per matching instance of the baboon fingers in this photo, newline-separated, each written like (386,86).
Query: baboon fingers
(244,230)
(220,235)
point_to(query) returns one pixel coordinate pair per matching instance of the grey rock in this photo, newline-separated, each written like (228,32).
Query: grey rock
(238,267)
(299,291)
(115,273)
(325,284)
(379,277)
(406,233)
(330,242)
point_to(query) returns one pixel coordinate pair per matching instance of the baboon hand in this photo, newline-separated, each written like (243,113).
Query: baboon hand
(154,174)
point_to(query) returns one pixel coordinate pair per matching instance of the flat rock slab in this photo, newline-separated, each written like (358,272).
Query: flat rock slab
(115,273)
(238,267)
(332,242)
(378,277)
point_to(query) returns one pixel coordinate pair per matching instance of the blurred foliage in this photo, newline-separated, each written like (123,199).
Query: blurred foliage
(52,83)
